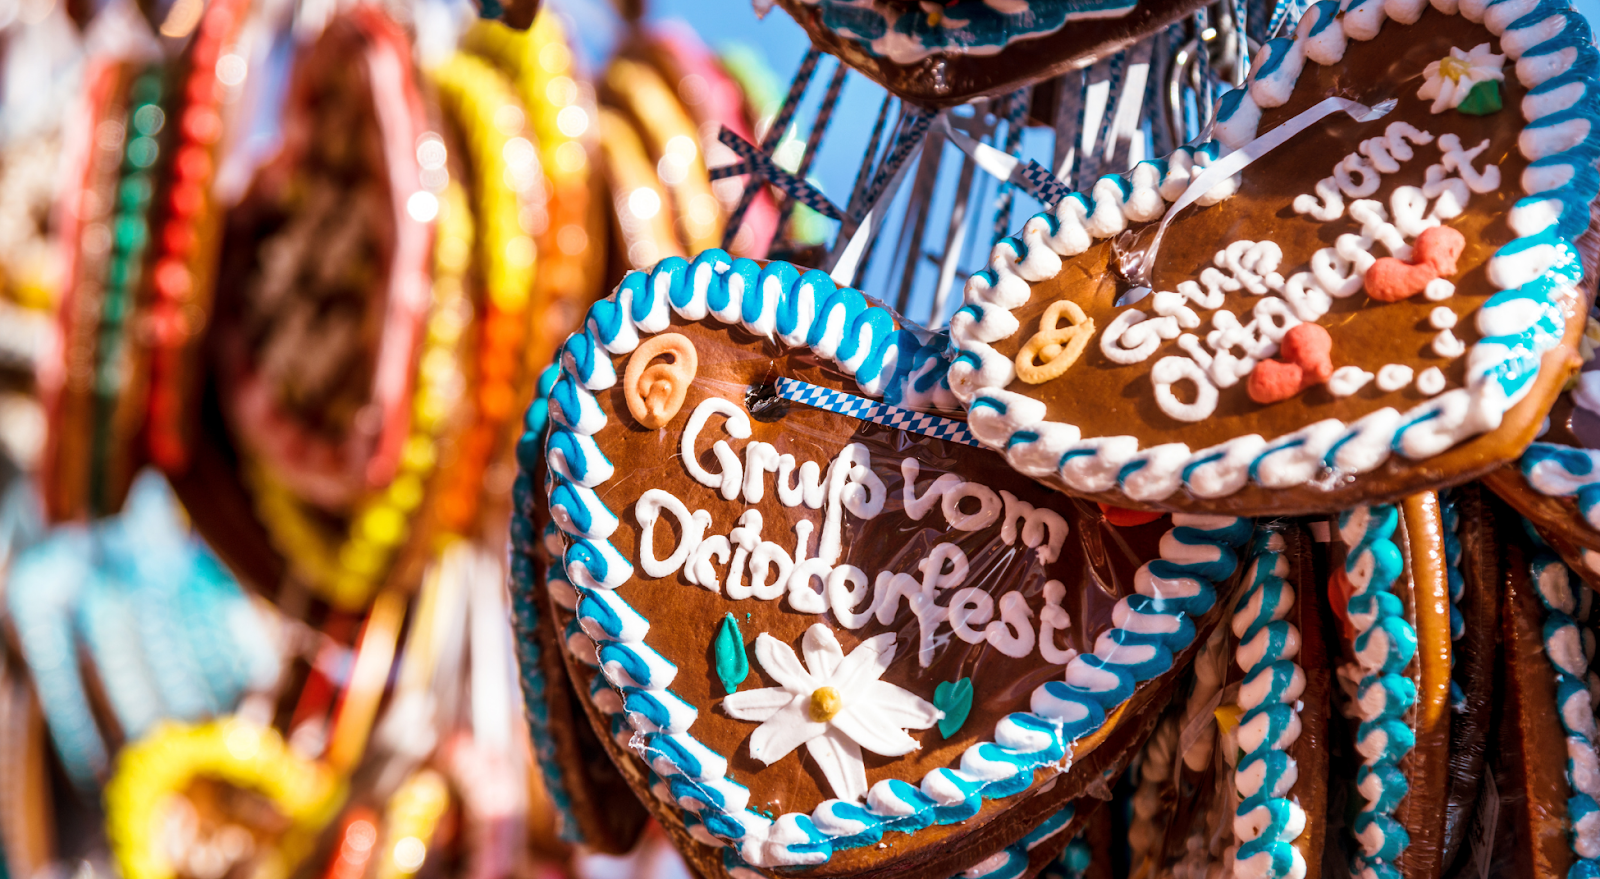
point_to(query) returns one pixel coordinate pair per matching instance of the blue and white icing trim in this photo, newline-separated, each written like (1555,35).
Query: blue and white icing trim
(1268,818)
(1385,644)
(781,303)
(526,613)
(1536,273)
(1569,645)
(1450,514)
(1566,471)
(908,32)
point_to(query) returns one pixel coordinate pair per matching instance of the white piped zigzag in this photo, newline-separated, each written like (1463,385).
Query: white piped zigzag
(1196,556)
(1536,272)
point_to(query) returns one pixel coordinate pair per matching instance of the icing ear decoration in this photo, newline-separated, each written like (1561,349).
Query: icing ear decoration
(1547,621)
(1196,395)
(947,53)
(655,391)
(868,554)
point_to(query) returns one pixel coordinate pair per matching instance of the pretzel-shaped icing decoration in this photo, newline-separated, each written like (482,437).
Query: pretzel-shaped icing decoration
(1059,346)
(655,391)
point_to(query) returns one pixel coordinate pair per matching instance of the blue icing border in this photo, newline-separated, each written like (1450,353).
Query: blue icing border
(1569,613)
(1383,737)
(1561,139)
(906,32)
(525,614)
(1259,614)
(779,302)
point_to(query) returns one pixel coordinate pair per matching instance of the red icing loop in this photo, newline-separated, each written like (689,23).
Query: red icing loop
(1125,518)
(1434,255)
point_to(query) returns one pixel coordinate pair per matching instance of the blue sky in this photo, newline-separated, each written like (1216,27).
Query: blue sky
(723,23)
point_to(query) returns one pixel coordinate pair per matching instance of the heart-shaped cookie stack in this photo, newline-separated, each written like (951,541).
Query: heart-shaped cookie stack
(845,598)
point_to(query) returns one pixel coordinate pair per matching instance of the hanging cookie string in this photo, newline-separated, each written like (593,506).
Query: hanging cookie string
(769,142)
(1140,269)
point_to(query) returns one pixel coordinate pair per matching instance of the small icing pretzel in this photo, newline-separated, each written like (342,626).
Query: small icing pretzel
(1059,346)
(655,391)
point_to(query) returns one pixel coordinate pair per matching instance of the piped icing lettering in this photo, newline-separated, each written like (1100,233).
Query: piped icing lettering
(1197,556)
(1536,274)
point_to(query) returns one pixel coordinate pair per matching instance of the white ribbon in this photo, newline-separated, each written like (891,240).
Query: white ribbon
(1236,161)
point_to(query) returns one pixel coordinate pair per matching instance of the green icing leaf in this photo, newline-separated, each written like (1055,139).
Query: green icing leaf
(733,665)
(1482,99)
(954,698)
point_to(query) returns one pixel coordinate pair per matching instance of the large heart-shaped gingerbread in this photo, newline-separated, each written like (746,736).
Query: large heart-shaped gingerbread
(1365,309)
(776,571)
(950,52)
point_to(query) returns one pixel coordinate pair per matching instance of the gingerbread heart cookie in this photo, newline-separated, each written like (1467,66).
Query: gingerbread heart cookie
(950,52)
(1556,482)
(593,806)
(1547,731)
(840,634)
(1415,586)
(1377,293)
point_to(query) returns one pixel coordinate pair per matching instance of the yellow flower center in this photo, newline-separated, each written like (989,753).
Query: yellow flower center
(1454,68)
(825,703)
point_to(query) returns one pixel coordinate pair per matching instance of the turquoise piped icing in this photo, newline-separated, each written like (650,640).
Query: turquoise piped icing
(907,32)
(1198,555)
(1450,511)
(526,538)
(1570,646)
(1269,817)
(1554,57)
(1384,644)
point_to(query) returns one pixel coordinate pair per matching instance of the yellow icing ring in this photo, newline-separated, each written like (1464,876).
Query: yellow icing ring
(346,569)
(479,100)
(671,135)
(646,239)
(655,391)
(566,129)
(474,93)
(1059,347)
(231,750)
(409,821)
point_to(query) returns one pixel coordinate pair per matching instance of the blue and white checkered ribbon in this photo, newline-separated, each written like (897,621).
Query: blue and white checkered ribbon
(878,413)
(1041,184)
(760,164)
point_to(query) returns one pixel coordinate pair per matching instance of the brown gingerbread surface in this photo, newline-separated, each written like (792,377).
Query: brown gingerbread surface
(1104,398)
(1095,565)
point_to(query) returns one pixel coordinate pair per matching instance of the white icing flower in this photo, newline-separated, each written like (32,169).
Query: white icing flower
(1447,81)
(834,705)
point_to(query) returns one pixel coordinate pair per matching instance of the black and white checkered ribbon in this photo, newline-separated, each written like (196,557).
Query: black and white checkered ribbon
(878,413)
(1041,184)
(761,165)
